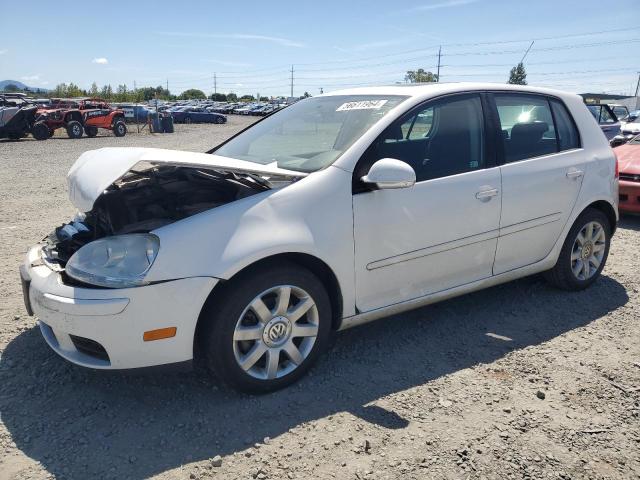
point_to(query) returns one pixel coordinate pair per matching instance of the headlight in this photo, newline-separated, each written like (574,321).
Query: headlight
(115,262)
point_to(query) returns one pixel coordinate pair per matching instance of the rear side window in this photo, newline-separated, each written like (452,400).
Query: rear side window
(568,137)
(527,126)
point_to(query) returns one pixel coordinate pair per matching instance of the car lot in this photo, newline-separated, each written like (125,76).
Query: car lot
(448,391)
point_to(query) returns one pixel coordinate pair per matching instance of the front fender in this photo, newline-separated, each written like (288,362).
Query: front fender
(311,216)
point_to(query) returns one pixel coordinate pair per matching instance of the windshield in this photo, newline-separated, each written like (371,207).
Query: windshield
(310,134)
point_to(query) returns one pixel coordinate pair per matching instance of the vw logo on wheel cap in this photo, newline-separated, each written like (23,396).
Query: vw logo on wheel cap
(276,331)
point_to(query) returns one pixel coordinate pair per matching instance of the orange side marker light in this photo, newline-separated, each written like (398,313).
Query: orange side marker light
(159,334)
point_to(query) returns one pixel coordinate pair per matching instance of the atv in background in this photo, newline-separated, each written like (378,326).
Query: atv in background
(61,113)
(97,113)
(18,118)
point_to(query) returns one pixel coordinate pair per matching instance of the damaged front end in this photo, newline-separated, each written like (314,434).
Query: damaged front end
(147,199)
(125,194)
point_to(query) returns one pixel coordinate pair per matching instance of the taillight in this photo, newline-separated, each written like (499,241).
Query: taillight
(617,171)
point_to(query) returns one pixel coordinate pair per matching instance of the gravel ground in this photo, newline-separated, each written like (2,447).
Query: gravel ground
(518,381)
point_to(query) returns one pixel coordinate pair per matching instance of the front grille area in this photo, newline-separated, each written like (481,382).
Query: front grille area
(630,177)
(89,347)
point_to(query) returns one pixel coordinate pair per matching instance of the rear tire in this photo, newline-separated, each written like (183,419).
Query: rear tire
(277,348)
(584,252)
(74,129)
(119,128)
(40,131)
(90,131)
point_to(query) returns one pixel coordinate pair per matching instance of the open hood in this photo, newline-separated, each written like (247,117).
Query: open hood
(95,170)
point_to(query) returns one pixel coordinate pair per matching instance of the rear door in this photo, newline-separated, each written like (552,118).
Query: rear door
(542,172)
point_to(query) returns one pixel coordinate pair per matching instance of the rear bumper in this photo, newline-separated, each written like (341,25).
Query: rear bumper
(103,328)
(629,196)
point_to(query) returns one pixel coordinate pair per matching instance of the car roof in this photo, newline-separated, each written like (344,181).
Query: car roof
(428,90)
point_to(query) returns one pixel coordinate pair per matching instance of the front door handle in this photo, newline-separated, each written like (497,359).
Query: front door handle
(574,173)
(486,194)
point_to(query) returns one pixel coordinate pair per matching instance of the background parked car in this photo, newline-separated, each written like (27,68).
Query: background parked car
(197,115)
(629,166)
(606,119)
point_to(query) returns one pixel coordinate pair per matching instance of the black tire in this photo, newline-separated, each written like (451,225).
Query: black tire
(40,131)
(119,128)
(562,275)
(219,120)
(74,129)
(90,131)
(223,312)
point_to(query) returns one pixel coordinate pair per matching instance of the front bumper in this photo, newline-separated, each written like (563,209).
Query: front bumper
(629,196)
(103,328)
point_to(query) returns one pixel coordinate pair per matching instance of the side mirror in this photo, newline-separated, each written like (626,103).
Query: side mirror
(390,173)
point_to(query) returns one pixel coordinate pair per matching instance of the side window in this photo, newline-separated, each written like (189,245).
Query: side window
(568,136)
(527,126)
(444,138)
(605,116)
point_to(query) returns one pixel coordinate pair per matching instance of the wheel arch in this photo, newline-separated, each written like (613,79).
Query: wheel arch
(607,209)
(312,263)
(73,116)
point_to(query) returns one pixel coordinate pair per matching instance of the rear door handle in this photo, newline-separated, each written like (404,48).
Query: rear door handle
(574,173)
(487,194)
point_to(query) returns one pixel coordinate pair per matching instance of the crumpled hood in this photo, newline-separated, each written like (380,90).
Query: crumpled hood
(95,170)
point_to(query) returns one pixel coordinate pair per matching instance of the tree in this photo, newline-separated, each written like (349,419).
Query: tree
(11,87)
(518,75)
(94,90)
(218,97)
(247,98)
(306,95)
(193,93)
(264,99)
(232,97)
(420,76)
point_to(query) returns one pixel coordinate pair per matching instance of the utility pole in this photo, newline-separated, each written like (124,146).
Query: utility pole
(291,81)
(527,52)
(439,56)
(215,85)
(637,87)
(167,85)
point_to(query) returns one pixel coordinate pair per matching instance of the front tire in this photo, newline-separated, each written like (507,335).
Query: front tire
(584,252)
(40,131)
(74,129)
(266,328)
(119,128)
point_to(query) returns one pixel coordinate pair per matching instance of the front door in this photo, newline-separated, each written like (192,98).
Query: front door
(441,232)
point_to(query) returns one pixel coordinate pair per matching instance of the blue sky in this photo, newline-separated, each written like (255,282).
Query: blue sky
(250,46)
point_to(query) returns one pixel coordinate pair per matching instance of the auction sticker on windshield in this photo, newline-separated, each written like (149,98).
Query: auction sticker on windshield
(362,105)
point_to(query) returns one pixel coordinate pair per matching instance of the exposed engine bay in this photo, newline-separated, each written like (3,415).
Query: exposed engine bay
(145,199)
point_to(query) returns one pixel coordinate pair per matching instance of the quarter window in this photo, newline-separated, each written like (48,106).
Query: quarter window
(567,131)
(441,139)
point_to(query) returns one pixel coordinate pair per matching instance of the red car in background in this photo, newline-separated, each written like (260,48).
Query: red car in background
(629,165)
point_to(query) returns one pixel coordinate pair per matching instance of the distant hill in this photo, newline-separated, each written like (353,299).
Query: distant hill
(20,85)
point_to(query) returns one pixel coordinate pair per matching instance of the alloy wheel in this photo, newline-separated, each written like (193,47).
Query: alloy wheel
(588,251)
(276,332)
